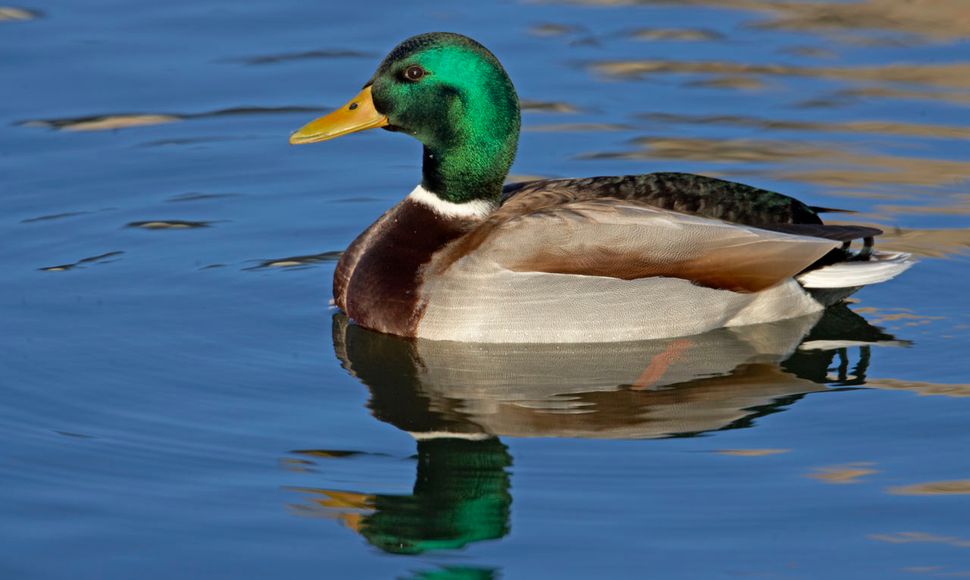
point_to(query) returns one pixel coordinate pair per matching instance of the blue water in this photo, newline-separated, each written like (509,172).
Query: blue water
(180,400)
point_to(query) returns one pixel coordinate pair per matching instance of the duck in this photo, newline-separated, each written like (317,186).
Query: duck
(466,257)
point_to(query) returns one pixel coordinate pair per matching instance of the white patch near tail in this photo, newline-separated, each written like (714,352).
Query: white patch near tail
(883,266)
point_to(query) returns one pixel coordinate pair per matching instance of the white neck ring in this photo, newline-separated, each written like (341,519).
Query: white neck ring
(476,208)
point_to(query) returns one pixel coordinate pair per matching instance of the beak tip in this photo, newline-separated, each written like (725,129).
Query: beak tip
(296,138)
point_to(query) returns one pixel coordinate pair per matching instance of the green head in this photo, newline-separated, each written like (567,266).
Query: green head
(453,95)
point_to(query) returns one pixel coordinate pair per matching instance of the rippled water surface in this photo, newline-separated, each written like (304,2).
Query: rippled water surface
(179,400)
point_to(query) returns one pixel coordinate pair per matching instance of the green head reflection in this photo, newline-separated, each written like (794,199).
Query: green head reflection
(461,495)
(455,573)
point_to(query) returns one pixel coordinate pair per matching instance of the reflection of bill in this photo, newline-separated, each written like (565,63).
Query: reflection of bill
(457,398)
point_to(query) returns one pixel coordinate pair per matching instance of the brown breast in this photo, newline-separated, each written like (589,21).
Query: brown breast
(377,279)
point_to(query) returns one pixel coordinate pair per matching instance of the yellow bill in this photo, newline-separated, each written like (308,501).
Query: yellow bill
(357,115)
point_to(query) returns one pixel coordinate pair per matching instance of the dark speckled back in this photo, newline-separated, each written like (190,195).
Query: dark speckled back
(686,193)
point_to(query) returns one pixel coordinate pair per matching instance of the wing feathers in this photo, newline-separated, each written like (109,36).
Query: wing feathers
(626,240)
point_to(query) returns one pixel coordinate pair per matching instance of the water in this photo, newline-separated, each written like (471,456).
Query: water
(179,400)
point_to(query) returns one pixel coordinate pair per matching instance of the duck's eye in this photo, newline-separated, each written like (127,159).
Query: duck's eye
(414,73)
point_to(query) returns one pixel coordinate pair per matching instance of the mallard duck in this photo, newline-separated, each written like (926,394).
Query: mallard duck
(466,258)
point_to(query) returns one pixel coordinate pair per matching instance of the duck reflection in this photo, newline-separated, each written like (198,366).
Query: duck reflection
(632,390)
(457,399)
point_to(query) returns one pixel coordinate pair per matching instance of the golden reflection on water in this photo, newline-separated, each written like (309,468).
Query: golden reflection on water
(553,29)
(575,127)
(845,96)
(752,452)
(929,243)
(960,206)
(532,105)
(843,474)
(106,122)
(876,127)
(926,20)
(10,13)
(678,34)
(922,388)
(946,75)
(957,487)
(820,163)
(113,121)
(299,261)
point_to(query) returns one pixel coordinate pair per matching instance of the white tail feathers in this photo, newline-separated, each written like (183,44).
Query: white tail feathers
(881,267)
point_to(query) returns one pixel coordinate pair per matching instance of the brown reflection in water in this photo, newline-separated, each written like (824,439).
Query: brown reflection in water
(576,127)
(10,13)
(845,96)
(960,206)
(297,465)
(532,105)
(522,177)
(877,127)
(958,487)
(883,315)
(126,120)
(752,452)
(920,537)
(819,163)
(105,122)
(714,150)
(947,75)
(924,242)
(298,261)
(843,474)
(736,82)
(678,34)
(922,388)
(810,52)
(936,20)
(553,29)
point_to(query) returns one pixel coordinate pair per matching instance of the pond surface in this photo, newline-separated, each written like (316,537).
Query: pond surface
(179,400)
